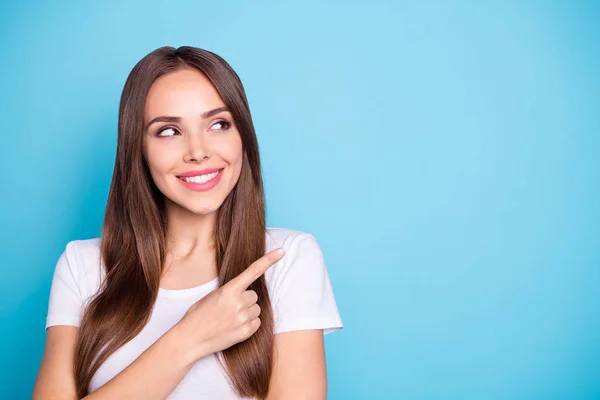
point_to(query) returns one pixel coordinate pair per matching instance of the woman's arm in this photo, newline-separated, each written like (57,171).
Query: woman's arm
(153,375)
(224,317)
(55,378)
(299,371)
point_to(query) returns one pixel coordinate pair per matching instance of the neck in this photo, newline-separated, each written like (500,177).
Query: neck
(189,233)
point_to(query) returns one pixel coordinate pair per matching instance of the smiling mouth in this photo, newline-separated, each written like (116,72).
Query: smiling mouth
(200,178)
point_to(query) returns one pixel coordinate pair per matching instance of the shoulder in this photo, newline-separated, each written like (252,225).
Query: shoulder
(84,261)
(303,257)
(299,286)
(288,239)
(83,253)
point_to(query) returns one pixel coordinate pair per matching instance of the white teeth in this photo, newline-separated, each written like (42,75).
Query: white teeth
(200,178)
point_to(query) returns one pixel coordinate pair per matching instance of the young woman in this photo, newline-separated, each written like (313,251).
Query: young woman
(185,295)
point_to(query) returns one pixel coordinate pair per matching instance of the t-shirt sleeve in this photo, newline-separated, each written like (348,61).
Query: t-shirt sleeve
(303,297)
(65,306)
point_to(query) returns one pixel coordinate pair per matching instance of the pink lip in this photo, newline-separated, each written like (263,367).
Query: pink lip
(201,187)
(198,173)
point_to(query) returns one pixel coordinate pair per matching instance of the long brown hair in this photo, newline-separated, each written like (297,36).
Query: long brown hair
(133,245)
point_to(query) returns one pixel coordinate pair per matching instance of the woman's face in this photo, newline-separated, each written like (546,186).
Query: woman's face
(192,147)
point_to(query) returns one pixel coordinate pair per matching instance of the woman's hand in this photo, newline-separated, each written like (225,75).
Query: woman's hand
(227,315)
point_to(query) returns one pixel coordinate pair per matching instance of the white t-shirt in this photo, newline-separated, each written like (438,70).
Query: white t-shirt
(298,285)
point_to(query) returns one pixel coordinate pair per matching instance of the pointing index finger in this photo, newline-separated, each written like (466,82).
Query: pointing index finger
(256,269)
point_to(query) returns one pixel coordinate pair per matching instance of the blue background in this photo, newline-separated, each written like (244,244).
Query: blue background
(444,154)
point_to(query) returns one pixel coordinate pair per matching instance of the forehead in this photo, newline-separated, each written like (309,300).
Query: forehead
(184,93)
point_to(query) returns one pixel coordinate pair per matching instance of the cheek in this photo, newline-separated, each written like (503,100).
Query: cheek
(160,161)
(236,157)
(228,148)
(236,150)
(159,157)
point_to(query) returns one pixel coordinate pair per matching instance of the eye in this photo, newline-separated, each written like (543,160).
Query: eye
(168,131)
(225,125)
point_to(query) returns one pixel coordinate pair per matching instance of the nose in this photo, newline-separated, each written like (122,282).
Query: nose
(196,148)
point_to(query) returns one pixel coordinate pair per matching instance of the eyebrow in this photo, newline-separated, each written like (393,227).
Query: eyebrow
(204,115)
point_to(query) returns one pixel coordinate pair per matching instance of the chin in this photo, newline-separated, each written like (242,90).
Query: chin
(203,211)
(200,209)
(199,204)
